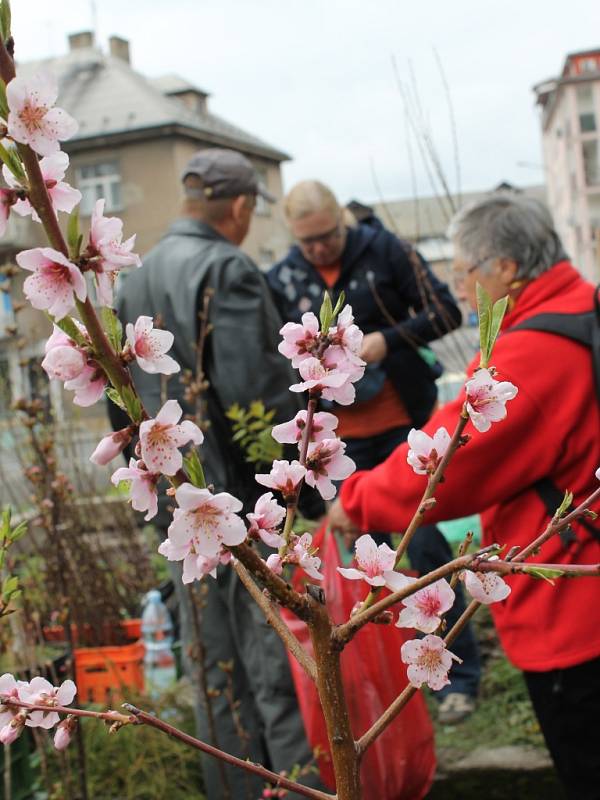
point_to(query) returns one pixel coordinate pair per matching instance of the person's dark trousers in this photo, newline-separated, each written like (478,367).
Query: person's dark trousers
(567,705)
(427,550)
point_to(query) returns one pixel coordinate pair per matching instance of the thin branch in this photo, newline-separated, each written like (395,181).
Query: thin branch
(342,634)
(409,691)
(556,526)
(273,777)
(274,619)
(512,568)
(277,587)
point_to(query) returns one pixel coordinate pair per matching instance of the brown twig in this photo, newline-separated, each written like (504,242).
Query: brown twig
(144,718)
(274,619)
(342,634)
(556,525)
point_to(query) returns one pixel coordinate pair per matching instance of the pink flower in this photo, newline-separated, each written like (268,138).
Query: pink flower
(108,253)
(299,341)
(347,337)
(265,520)
(55,281)
(424,608)
(329,383)
(429,662)
(9,688)
(303,554)
(88,386)
(7,199)
(142,493)
(323,427)
(111,446)
(32,119)
(485,587)
(149,346)
(202,524)
(487,398)
(426,452)
(326,462)
(373,562)
(62,196)
(275,563)
(284,477)
(40,692)
(161,437)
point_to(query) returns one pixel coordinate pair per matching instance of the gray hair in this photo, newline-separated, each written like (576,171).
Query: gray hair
(508,226)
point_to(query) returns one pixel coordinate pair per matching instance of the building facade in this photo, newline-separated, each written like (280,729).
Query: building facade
(134,139)
(570,121)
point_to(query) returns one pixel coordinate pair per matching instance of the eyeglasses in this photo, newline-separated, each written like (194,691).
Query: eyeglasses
(461,274)
(321,238)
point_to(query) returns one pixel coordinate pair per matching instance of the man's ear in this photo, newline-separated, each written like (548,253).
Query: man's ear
(238,207)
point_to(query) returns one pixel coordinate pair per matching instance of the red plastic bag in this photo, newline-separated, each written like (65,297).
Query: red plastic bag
(400,764)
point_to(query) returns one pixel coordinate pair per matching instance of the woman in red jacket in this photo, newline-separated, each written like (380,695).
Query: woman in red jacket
(508,244)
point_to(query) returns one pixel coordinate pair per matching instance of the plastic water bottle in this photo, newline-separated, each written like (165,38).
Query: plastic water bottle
(157,635)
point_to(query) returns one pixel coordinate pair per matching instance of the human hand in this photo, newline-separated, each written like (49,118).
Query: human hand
(340,522)
(374,347)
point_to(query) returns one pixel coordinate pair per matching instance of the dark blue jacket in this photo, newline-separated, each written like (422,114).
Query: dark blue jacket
(391,289)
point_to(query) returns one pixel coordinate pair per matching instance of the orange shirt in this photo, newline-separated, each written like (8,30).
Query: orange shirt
(377,415)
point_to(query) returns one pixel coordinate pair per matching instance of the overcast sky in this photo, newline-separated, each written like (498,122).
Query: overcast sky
(315,78)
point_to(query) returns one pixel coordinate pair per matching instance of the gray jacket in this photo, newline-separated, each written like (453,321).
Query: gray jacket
(240,358)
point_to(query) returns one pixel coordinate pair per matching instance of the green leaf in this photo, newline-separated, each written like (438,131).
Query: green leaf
(68,326)
(115,397)
(9,587)
(340,303)
(564,506)
(112,325)
(74,237)
(132,403)
(193,468)
(5,524)
(5,20)
(544,573)
(10,155)
(326,313)
(484,313)
(17,532)
(498,312)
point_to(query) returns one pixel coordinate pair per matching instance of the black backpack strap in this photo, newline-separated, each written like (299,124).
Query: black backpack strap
(585,329)
(552,497)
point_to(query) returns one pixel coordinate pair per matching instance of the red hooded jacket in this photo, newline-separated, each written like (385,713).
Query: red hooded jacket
(552,429)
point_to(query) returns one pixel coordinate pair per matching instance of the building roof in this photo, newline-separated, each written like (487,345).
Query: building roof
(110,99)
(422,218)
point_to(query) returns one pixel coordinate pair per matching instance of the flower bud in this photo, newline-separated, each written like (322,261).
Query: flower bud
(13,729)
(64,731)
(274,563)
(110,446)
(64,363)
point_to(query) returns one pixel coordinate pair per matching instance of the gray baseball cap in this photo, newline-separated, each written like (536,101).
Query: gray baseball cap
(225,173)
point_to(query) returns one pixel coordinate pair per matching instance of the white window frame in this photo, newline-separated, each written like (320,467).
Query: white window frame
(93,187)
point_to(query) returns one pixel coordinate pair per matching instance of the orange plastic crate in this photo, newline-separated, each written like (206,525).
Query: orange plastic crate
(102,673)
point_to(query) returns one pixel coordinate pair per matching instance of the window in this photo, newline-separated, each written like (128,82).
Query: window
(266,258)
(585,109)
(591,162)
(100,180)
(6,312)
(263,209)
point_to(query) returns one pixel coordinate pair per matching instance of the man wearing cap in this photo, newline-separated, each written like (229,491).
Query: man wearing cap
(240,360)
